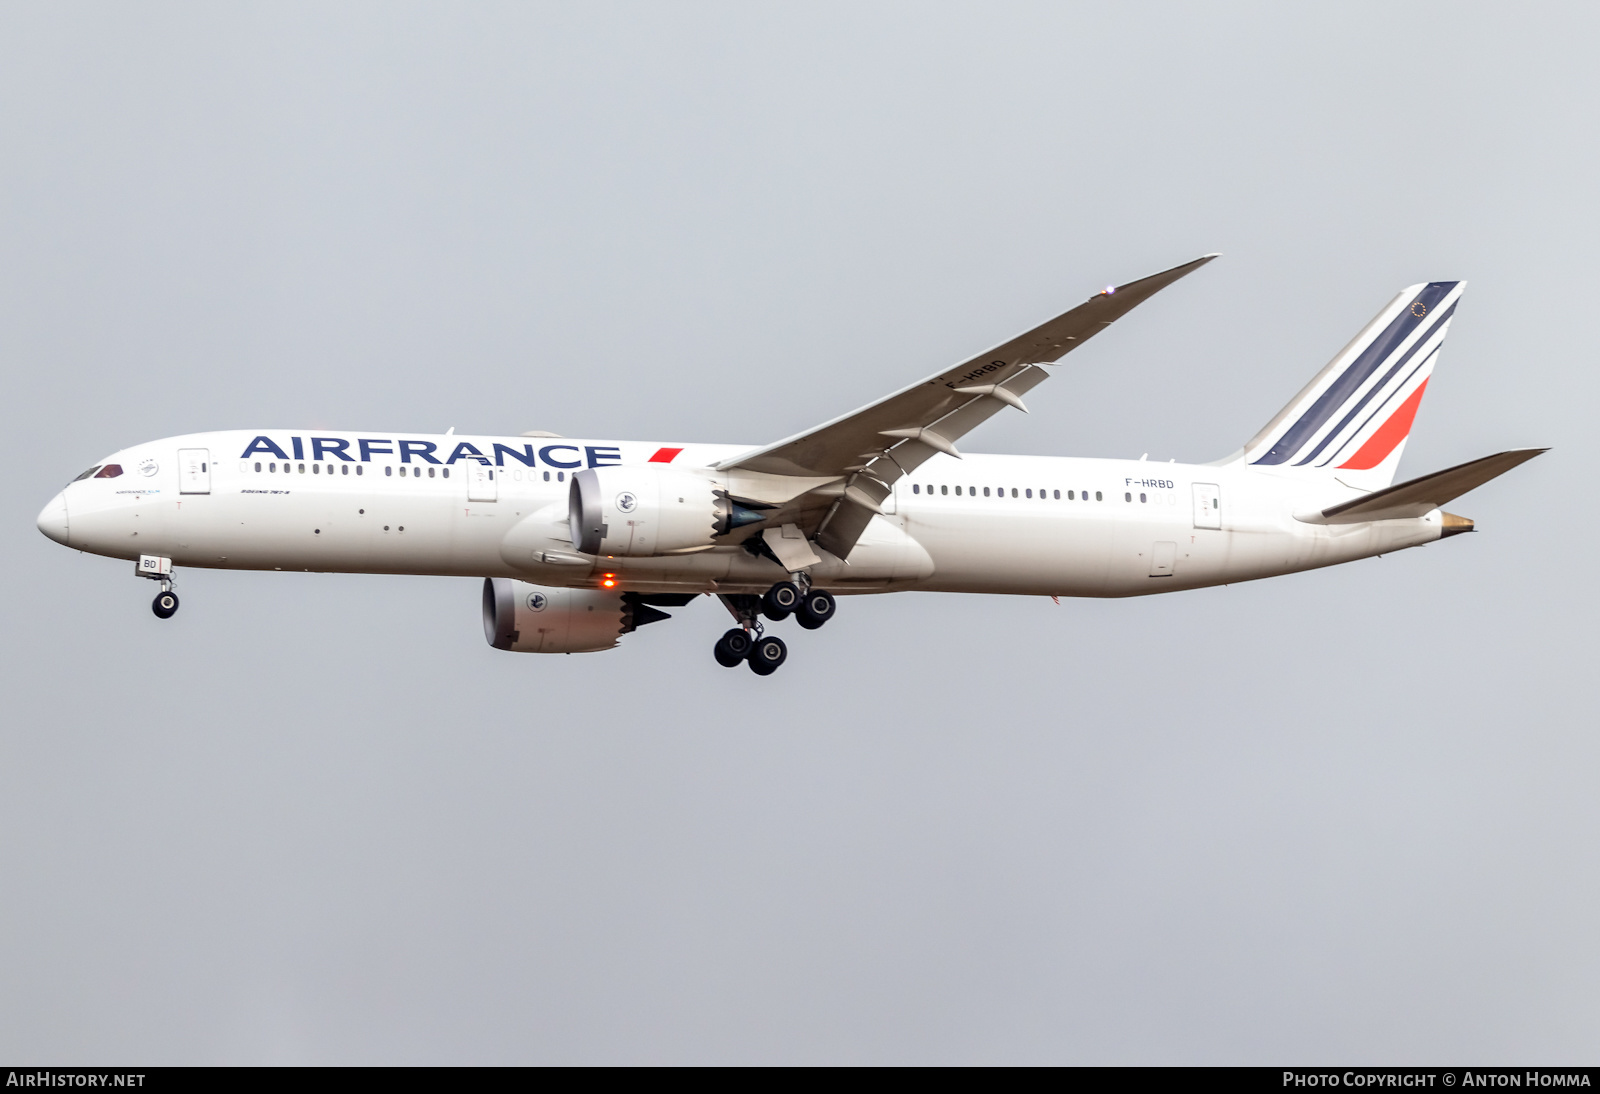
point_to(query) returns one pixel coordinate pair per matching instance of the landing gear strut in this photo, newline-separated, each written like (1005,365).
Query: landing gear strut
(746,642)
(165,605)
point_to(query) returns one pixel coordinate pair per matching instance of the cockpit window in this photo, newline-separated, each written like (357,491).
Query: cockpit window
(87,473)
(110,471)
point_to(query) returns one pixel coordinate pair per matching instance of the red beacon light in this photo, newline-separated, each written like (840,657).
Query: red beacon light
(608,581)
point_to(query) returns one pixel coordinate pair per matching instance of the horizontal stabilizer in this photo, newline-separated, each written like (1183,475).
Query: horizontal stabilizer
(1419,497)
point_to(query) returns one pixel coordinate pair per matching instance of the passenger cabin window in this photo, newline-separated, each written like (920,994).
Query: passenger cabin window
(915,489)
(944,490)
(1127,497)
(1097,496)
(258,466)
(387,470)
(446,472)
(1141,499)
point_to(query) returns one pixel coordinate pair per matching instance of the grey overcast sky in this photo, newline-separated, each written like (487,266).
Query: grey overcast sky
(1341,816)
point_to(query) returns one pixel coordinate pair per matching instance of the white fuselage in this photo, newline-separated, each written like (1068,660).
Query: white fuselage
(1091,527)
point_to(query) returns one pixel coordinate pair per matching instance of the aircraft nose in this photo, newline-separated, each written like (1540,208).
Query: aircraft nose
(53,518)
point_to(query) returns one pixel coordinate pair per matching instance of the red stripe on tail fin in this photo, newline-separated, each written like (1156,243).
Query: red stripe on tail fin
(1390,434)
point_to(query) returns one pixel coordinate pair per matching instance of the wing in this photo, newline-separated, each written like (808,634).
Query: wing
(858,457)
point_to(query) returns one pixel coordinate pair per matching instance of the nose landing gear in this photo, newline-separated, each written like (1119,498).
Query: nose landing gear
(165,605)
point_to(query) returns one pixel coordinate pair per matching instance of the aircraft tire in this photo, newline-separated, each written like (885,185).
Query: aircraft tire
(816,608)
(767,654)
(165,605)
(733,647)
(780,601)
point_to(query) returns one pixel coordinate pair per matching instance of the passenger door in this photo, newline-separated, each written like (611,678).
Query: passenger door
(194,471)
(1207,505)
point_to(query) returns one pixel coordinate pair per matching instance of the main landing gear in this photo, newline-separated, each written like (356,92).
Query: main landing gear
(763,652)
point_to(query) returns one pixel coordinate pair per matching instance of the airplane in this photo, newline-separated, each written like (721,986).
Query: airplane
(582,541)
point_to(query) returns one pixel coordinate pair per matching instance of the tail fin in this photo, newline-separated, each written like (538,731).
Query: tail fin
(1352,420)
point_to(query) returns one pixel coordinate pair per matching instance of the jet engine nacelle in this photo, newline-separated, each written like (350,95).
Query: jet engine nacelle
(527,618)
(645,510)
